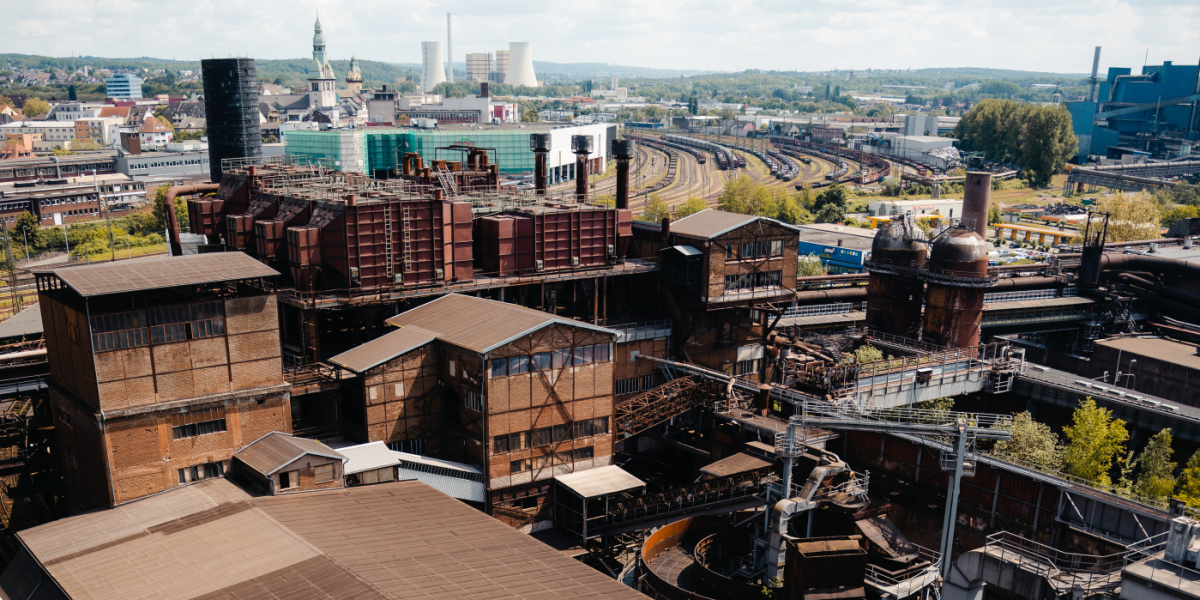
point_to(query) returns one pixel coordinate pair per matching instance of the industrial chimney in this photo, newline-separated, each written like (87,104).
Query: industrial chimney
(977,194)
(581,145)
(622,151)
(231,109)
(539,143)
(449,52)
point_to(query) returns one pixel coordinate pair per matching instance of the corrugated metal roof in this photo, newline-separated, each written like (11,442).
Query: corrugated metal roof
(480,324)
(710,223)
(160,272)
(383,348)
(455,487)
(600,481)
(25,323)
(406,457)
(1038,303)
(276,450)
(733,464)
(367,457)
(686,250)
(212,540)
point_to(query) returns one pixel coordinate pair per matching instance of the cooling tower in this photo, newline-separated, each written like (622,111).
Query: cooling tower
(433,63)
(520,65)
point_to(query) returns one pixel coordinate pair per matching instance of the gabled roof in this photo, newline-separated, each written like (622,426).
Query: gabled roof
(383,349)
(479,324)
(710,223)
(274,451)
(160,272)
(115,111)
(153,125)
(290,101)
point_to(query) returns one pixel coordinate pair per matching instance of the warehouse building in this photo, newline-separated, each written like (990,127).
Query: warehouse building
(523,393)
(160,369)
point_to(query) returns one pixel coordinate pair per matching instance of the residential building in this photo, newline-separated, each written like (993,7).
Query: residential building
(154,134)
(73,111)
(160,369)
(54,134)
(124,85)
(524,394)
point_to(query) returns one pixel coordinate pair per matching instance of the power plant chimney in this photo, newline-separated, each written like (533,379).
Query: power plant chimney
(977,194)
(449,53)
(1094,81)
(540,144)
(622,151)
(581,145)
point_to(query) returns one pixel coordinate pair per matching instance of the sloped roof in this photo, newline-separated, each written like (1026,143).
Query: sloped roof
(390,541)
(25,323)
(710,223)
(600,481)
(383,349)
(480,324)
(160,272)
(368,457)
(734,464)
(115,111)
(153,125)
(277,450)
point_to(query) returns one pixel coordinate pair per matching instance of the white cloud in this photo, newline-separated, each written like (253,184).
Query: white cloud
(1043,35)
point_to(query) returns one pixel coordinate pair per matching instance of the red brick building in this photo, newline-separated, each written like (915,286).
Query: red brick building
(160,369)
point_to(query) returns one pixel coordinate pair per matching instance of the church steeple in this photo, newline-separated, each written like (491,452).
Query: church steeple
(318,42)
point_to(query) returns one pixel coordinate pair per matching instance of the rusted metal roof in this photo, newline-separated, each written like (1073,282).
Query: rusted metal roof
(600,481)
(160,272)
(276,450)
(212,540)
(710,223)
(734,464)
(480,324)
(383,348)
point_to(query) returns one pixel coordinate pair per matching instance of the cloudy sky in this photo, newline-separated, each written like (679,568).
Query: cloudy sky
(726,35)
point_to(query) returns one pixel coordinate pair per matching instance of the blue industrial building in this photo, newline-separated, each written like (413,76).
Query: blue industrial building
(1153,113)
(841,248)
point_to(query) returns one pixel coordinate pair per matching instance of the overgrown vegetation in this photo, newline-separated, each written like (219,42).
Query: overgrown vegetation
(1037,138)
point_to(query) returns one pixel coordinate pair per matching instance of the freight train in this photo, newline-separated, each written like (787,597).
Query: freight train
(726,158)
(875,167)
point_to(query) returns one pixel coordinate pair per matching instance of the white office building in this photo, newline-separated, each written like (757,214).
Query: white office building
(124,86)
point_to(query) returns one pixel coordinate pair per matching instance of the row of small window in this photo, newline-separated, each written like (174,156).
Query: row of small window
(747,367)
(634,384)
(752,250)
(198,472)
(565,457)
(82,211)
(198,422)
(545,361)
(749,281)
(72,200)
(545,436)
(289,480)
(137,328)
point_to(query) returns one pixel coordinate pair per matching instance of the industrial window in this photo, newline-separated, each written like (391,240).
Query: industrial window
(591,427)
(499,367)
(199,472)
(413,446)
(627,386)
(473,401)
(518,365)
(289,480)
(540,437)
(583,453)
(583,355)
(509,442)
(119,331)
(323,473)
(518,466)
(560,358)
(541,361)
(543,461)
(743,367)
(178,323)
(200,422)
(647,382)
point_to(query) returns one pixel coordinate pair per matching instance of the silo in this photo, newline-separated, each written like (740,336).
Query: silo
(957,279)
(231,111)
(977,195)
(894,299)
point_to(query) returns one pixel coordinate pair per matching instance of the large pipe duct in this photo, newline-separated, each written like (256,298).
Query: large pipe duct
(622,151)
(977,194)
(169,211)
(539,143)
(1151,264)
(581,145)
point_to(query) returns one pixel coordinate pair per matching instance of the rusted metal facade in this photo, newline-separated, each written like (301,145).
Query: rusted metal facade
(894,301)
(954,297)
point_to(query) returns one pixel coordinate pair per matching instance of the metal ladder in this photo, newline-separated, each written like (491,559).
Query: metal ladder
(406,240)
(387,242)
(448,182)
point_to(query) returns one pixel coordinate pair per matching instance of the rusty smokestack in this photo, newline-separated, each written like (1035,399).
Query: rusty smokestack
(666,230)
(622,151)
(581,145)
(540,144)
(977,194)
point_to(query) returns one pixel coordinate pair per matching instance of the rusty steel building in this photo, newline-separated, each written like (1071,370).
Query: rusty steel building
(521,393)
(160,369)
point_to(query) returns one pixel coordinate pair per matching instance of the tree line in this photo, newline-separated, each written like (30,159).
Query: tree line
(1036,138)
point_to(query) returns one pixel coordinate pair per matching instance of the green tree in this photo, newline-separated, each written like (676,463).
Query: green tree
(810,265)
(792,211)
(530,116)
(1131,216)
(1094,438)
(656,209)
(5,100)
(160,216)
(1032,443)
(865,353)
(830,205)
(72,93)
(27,228)
(994,215)
(1189,482)
(1154,470)
(1175,214)
(1038,139)
(36,108)
(692,206)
